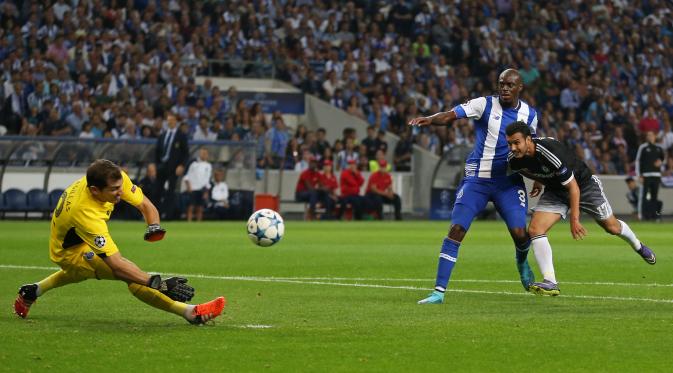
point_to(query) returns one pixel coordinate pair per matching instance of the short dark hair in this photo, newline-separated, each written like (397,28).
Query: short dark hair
(100,171)
(518,127)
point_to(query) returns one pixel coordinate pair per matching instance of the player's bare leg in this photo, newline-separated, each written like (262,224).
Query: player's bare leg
(190,212)
(199,213)
(619,228)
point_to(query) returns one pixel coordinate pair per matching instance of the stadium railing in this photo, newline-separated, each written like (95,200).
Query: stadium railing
(50,164)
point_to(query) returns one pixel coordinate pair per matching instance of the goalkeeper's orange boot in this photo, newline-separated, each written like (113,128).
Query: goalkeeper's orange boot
(26,298)
(205,312)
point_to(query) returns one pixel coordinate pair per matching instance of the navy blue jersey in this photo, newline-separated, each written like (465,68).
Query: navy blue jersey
(553,165)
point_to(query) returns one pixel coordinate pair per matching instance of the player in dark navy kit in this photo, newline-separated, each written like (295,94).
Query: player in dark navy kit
(568,185)
(486,178)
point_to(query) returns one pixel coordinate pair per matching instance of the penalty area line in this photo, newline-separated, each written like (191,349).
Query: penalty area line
(378,286)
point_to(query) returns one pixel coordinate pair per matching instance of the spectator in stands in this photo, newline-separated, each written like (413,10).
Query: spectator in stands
(300,134)
(292,155)
(667,174)
(649,122)
(371,143)
(87,131)
(351,181)
(76,118)
(375,163)
(348,153)
(149,183)
(138,65)
(54,126)
(306,159)
(330,185)
(321,143)
(355,108)
(309,189)
(197,182)
(219,195)
(403,152)
(171,155)
(277,138)
(632,194)
(666,136)
(380,191)
(203,131)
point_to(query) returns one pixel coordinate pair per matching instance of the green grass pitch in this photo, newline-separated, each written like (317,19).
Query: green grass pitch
(342,297)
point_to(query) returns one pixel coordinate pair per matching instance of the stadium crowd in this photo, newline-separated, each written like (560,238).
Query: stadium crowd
(599,72)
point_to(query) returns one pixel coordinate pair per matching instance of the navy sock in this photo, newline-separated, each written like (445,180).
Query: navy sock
(522,252)
(447,259)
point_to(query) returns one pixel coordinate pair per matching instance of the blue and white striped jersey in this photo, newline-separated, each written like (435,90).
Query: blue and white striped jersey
(489,156)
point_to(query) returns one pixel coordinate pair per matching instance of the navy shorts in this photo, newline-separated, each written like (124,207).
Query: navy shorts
(508,194)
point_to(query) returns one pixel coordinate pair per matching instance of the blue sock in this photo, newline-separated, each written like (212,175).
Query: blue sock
(447,259)
(522,252)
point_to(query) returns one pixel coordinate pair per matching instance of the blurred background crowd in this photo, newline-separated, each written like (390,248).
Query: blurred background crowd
(598,72)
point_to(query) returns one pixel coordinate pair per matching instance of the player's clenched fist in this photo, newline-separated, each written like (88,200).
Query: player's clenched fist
(154,233)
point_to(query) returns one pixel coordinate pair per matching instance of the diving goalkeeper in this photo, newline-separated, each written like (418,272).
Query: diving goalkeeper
(81,245)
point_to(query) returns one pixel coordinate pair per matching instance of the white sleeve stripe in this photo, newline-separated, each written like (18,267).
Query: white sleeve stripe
(549,155)
(533,124)
(572,176)
(637,160)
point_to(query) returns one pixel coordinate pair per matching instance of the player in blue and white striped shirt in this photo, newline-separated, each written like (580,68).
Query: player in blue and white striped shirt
(486,177)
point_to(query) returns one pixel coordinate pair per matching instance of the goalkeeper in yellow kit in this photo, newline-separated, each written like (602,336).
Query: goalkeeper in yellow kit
(81,245)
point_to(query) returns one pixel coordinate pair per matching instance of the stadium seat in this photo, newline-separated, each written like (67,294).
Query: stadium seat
(15,201)
(37,200)
(54,196)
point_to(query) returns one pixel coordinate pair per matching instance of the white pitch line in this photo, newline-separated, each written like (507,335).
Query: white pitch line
(253,326)
(301,281)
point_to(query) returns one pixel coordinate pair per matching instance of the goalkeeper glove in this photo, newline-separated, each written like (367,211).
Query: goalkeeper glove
(175,288)
(154,233)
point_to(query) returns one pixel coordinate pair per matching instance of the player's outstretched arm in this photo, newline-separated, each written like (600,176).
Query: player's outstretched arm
(175,288)
(126,270)
(438,119)
(154,231)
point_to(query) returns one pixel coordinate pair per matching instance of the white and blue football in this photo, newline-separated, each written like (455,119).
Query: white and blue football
(265,227)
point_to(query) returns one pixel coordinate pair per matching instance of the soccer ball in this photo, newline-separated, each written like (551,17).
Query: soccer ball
(265,227)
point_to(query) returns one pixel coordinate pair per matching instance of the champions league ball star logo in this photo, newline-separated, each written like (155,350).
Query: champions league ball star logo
(99,241)
(444,197)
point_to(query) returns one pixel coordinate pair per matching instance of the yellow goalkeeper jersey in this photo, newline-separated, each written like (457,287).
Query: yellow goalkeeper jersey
(81,218)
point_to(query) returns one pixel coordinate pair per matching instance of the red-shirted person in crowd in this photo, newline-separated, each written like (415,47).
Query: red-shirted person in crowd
(330,186)
(380,191)
(309,187)
(351,182)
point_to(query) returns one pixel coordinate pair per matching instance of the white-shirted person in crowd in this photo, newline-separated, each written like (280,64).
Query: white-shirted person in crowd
(197,182)
(219,194)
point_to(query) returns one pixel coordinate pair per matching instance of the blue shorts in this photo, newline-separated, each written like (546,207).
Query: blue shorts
(508,194)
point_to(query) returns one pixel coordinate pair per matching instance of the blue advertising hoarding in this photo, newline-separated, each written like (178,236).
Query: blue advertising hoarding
(441,203)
